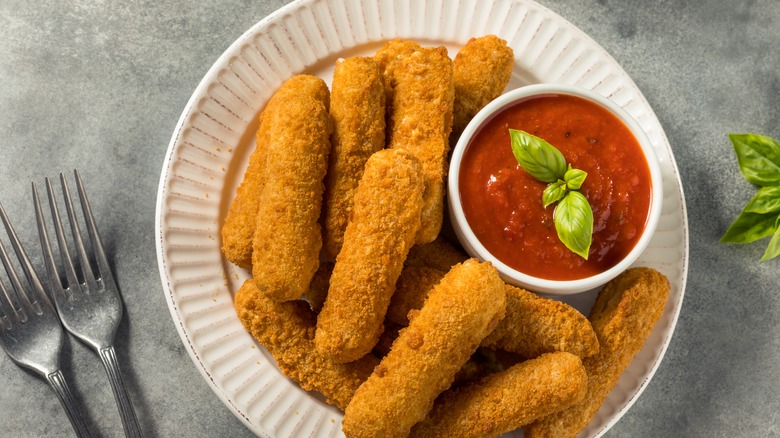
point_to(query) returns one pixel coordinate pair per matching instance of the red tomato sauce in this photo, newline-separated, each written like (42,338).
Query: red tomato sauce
(503,203)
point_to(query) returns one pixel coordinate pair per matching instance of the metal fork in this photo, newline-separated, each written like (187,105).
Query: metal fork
(30,331)
(90,309)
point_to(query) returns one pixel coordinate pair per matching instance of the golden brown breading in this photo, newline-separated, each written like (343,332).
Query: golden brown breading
(385,221)
(439,254)
(388,57)
(481,70)
(475,368)
(504,401)
(358,112)
(288,238)
(623,316)
(420,117)
(533,325)
(536,325)
(241,220)
(286,329)
(423,361)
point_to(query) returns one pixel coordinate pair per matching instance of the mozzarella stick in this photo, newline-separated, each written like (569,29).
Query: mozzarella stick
(507,400)
(533,325)
(286,329)
(536,325)
(481,70)
(389,57)
(420,120)
(423,361)
(623,316)
(241,220)
(385,221)
(358,112)
(288,238)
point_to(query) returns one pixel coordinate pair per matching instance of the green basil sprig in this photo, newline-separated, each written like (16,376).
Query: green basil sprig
(573,216)
(759,162)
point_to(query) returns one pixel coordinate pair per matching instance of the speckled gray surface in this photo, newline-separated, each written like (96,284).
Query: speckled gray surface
(100,86)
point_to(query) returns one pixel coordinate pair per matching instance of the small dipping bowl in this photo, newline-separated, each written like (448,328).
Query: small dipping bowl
(472,244)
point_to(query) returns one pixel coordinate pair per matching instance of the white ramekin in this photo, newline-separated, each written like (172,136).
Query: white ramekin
(474,247)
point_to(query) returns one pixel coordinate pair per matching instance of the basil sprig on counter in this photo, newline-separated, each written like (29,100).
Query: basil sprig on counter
(759,162)
(573,216)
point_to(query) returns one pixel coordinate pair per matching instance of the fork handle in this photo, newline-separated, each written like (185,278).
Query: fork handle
(57,382)
(126,411)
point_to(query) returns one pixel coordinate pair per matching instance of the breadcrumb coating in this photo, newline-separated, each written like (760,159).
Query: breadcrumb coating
(423,361)
(533,325)
(623,316)
(239,227)
(358,112)
(385,221)
(420,117)
(481,71)
(286,329)
(288,238)
(507,400)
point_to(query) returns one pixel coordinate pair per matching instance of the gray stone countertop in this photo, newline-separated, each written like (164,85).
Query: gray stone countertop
(99,86)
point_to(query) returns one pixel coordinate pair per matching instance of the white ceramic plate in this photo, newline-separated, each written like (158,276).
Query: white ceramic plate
(215,135)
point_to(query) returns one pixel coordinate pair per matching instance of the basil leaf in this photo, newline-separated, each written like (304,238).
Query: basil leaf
(749,227)
(540,159)
(759,158)
(573,219)
(766,200)
(553,193)
(773,250)
(574,178)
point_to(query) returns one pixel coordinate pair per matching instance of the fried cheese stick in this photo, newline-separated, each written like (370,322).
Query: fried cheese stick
(358,112)
(286,329)
(420,118)
(533,325)
(475,368)
(287,239)
(389,57)
(623,316)
(241,220)
(536,325)
(481,70)
(385,221)
(504,401)
(424,359)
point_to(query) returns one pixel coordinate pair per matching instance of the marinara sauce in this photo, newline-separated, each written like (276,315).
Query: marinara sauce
(503,203)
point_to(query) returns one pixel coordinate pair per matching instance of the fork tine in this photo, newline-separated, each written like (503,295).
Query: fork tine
(86,268)
(97,245)
(24,260)
(70,271)
(5,315)
(52,273)
(25,301)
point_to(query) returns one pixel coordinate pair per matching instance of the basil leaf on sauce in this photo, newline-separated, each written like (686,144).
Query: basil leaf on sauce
(539,158)
(758,157)
(574,178)
(573,219)
(553,193)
